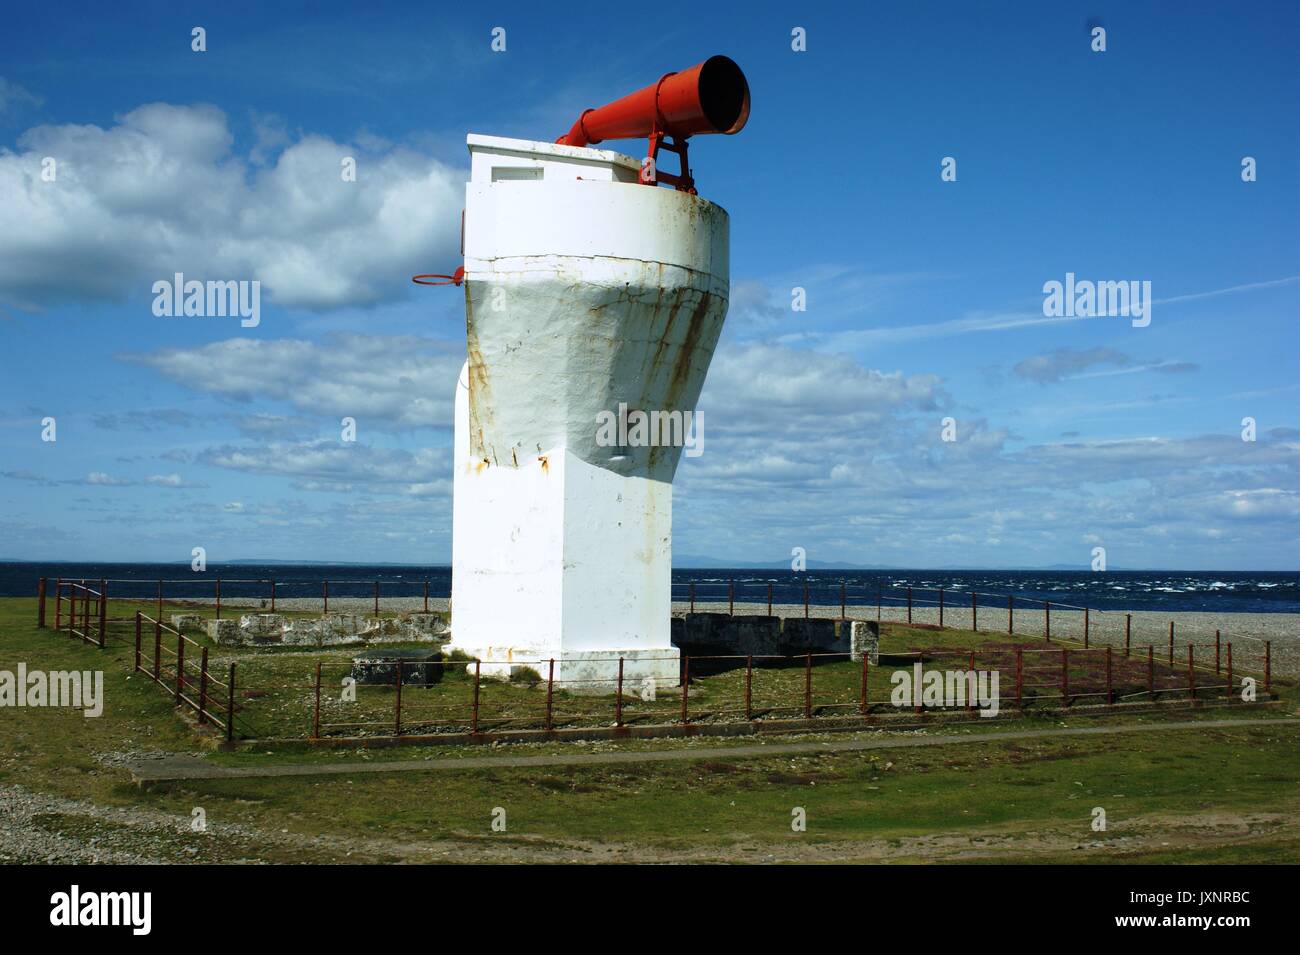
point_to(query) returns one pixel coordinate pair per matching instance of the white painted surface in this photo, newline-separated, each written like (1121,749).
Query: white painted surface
(581,293)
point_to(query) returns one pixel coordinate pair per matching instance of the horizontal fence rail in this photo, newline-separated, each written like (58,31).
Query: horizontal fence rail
(184,673)
(284,696)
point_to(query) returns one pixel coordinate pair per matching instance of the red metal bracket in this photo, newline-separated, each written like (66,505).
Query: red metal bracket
(454,279)
(682,181)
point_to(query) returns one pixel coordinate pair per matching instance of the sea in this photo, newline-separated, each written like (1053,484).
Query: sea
(1175,591)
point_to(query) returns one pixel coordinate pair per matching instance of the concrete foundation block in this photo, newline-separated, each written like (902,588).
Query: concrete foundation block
(184,621)
(809,635)
(427,625)
(262,627)
(419,668)
(864,638)
(225,633)
(596,671)
(704,632)
(331,630)
(588,672)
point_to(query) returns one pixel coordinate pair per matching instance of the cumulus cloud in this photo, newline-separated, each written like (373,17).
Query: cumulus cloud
(331,465)
(381,381)
(766,385)
(160,191)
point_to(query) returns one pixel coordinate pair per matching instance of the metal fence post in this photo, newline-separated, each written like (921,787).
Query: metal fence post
(805,599)
(844,601)
(1085,628)
(1011,616)
(769,598)
(272,595)
(1151,670)
(230,706)
(397,702)
(1232,689)
(474,724)
(72,609)
(1110,683)
(426,596)
(376,599)
(325,597)
(686,689)
(618,696)
(58,604)
(862,695)
(159,601)
(918,704)
(137,643)
(807,687)
(693,597)
(103,614)
(40,603)
(940,608)
(1217,669)
(203,687)
(315,712)
(550,689)
(1065,676)
(1047,620)
(909,603)
(1191,674)
(1171,643)
(218,598)
(1020,676)
(1128,632)
(974,610)
(731,598)
(180,666)
(157,651)
(749,687)
(1268,667)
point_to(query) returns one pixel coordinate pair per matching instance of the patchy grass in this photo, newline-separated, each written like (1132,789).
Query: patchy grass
(1216,795)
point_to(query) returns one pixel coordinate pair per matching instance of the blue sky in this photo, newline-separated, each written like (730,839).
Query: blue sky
(823,427)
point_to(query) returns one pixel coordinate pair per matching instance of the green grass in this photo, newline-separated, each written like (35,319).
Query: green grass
(1003,800)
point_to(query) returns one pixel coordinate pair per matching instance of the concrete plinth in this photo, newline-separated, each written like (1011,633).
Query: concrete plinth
(585,292)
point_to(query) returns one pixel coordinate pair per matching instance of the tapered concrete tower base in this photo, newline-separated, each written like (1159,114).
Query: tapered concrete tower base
(584,290)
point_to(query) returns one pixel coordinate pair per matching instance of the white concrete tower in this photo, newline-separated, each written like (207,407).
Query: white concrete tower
(584,289)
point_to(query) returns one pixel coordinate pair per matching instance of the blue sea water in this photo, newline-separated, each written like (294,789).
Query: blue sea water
(1176,591)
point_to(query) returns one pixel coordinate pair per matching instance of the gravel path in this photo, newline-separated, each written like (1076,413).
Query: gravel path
(151,771)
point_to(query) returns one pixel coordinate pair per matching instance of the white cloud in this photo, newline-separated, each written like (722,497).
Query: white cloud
(160,191)
(383,382)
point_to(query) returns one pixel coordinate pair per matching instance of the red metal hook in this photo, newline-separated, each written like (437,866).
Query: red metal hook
(454,279)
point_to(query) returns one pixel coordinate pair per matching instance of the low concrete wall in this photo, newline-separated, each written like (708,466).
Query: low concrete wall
(330,630)
(702,634)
